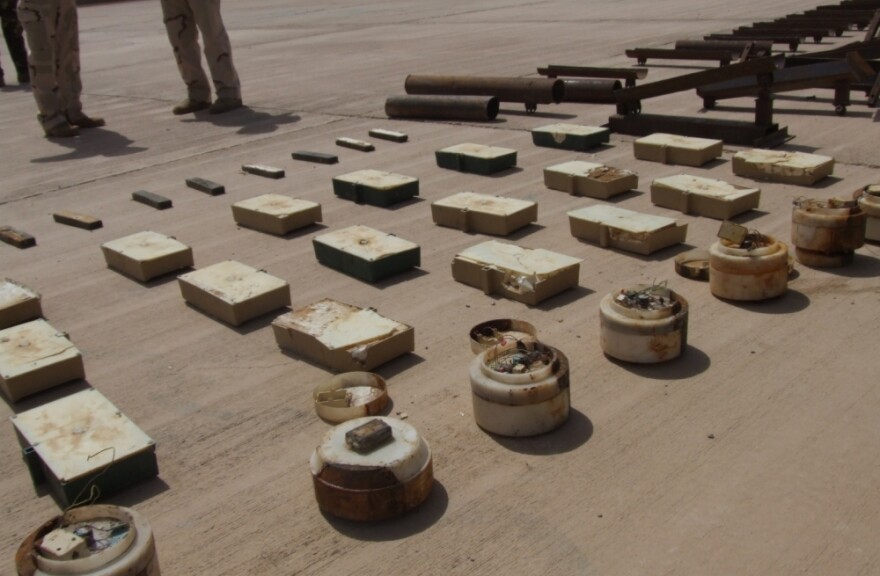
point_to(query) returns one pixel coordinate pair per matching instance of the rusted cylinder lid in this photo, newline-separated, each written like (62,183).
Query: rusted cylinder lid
(501,332)
(101,540)
(350,395)
(371,468)
(693,264)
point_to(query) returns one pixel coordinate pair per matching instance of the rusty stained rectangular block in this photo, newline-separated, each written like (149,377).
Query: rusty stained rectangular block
(610,226)
(77,220)
(319,157)
(676,149)
(16,238)
(150,199)
(207,186)
(522,274)
(369,436)
(343,337)
(703,196)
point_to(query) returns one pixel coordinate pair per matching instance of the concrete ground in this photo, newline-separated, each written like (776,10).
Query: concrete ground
(757,452)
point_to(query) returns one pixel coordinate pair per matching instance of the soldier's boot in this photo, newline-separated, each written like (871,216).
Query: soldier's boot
(188,106)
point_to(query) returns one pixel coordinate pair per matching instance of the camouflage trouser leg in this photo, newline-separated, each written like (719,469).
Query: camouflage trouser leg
(182,19)
(52,33)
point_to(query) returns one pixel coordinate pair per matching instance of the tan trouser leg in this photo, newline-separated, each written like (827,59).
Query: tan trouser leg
(180,23)
(67,55)
(39,18)
(218,50)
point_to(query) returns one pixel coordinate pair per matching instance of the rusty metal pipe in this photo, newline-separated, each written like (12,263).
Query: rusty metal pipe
(761,47)
(598,91)
(480,108)
(531,91)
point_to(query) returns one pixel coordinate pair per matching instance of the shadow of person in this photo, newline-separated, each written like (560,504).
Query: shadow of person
(248,120)
(91,143)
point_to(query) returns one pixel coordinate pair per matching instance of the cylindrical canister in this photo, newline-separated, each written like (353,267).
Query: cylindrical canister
(477,108)
(506,89)
(752,271)
(869,201)
(501,332)
(643,324)
(520,389)
(597,91)
(371,468)
(100,540)
(350,395)
(826,233)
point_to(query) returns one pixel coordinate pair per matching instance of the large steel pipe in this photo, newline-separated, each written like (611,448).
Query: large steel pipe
(442,107)
(530,91)
(760,47)
(599,91)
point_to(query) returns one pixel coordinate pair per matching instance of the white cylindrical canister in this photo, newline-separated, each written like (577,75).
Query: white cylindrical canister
(350,395)
(869,202)
(826,233)
(643,324)
(371,468)
(748,272)
(100,540)
(520,389)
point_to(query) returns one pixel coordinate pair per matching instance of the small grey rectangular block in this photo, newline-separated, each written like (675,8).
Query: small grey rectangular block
(207,186)
(150,199)
(263,170)
(388,135)
(319,157)
(16,238)
(355,144)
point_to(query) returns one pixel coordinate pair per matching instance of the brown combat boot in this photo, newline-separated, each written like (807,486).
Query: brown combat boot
(222,105)
(188,106)
(63,130)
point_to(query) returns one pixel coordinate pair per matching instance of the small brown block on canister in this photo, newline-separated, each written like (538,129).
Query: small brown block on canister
(367,437)
(16,238)
(77,220)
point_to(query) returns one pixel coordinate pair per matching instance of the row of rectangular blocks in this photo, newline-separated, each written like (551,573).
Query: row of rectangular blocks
(34,356)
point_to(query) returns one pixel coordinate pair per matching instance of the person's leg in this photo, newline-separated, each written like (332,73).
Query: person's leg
(12,32)
(38,18)
(180,23)
(68,71)
(218,50)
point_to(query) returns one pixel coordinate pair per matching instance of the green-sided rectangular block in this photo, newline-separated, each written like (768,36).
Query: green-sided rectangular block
(476,158)
(366,253)
(375,187)
(570,136)
(80,441)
